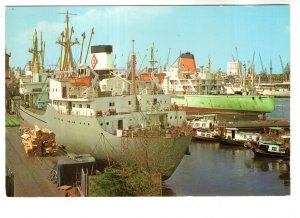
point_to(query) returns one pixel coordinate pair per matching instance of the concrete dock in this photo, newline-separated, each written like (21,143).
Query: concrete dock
(256,124)
(30,173)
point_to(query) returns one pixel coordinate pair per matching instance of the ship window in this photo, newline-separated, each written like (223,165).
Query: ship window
(84,123)
(175,117)
(170,117)
(165,101)
(154,101)
(88,105)
(180,117)
(80,105)
(129,102)
(111,104)
(73,105)
(107,123)
(88,123)
(79,122)
(101,124)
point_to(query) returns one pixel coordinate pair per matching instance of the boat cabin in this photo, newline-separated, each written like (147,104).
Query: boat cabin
(206,121)
(236,134)
(272,147)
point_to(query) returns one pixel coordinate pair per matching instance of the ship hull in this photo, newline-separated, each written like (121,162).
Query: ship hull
(225,103)
(84,135)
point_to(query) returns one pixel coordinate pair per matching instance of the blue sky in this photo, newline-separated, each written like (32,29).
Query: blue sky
(205,31)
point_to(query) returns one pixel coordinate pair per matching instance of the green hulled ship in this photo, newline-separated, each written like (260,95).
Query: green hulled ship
(225,103)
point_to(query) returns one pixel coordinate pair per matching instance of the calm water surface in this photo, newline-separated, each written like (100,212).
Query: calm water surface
(221,170)
(217,170)
(282,109)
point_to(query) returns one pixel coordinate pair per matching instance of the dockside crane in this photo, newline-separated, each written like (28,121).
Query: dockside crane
(88,48)
(271,69)
(263,70)
(284,71)
(83,38)
(238,60)
(168,58)
(282,66)
(251,70)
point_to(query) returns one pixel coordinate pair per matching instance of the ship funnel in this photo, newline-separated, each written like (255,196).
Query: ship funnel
(187,61)
(101,57)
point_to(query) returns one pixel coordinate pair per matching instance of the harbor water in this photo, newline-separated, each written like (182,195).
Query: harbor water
(282,109)
(221,170)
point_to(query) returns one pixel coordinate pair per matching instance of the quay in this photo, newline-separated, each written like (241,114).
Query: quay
(256,124)
(30,173)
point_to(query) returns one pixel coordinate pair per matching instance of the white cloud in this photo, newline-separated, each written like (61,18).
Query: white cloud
(103,18)
(128,14)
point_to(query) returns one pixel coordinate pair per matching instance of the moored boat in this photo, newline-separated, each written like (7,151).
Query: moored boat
(205,135)
(271,149)
(233,136)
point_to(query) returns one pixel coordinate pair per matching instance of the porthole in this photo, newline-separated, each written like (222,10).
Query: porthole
(107,123)
(101,124)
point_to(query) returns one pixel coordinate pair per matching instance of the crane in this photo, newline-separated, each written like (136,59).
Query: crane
(237,54)
(83,38)
(92,33)
(168,58)
(271,69)
(263,70)
(281,62)
(239,63)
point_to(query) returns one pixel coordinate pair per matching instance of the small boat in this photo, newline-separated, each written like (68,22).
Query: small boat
(206,121)
(205,135)
(233,136)
(271,149)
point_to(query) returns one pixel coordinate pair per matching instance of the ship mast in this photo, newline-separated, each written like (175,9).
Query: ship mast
(152,61)
(133,61)
(37,56)
(67,62)
(42,53)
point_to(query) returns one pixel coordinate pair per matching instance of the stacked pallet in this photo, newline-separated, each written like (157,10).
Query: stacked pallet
(38,142)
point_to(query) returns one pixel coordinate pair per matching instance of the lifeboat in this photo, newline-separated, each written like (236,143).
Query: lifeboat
(147,77)
(81,81)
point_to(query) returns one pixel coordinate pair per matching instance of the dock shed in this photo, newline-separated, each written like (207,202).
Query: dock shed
(69,168)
